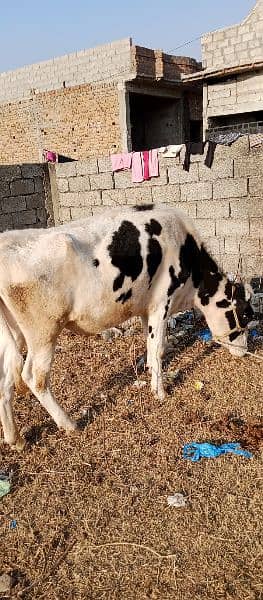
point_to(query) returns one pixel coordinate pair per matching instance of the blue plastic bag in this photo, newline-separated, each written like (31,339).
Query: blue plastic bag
(205,335)
(195,450)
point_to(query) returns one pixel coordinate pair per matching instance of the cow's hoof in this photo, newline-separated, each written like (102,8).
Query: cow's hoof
(19,444)
(71,427)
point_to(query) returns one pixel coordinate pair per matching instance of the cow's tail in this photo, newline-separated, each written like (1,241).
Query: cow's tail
(11,359)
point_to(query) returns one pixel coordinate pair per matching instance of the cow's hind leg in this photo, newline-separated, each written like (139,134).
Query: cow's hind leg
(11,364)
(155,344)
(36,375)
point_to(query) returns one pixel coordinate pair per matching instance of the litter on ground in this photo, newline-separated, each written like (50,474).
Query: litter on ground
(194,451)
(177,500)
(5,484)
(198,385)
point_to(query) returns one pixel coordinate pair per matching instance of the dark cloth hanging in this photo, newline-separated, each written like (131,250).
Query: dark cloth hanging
(192,148)
(209,159)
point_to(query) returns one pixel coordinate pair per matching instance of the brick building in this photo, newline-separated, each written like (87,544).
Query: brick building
(94,102)
(233,76)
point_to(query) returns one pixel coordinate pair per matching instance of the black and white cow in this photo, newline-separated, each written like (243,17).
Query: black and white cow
(92,274)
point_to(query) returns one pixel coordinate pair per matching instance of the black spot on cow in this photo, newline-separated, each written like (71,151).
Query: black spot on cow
(150,329)
(223,303)
(95,262)
(175,281)
(125,253)
(142,207)
(152,335)
(243,308)
(153,228)
(154,256)
(195,262)
(166,310)
(124,297)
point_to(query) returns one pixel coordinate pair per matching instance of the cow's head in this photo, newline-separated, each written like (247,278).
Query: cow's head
(232,314)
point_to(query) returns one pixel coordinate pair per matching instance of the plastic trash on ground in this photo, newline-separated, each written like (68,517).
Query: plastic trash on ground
(198,385)
(194,451)
(205,335)
(177,500)
(5,483)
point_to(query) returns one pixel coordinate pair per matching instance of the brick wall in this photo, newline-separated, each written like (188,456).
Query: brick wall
(226,201)
(235,45)
(25,199)
(77,122)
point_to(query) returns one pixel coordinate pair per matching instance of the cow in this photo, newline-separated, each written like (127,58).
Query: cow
(88,275)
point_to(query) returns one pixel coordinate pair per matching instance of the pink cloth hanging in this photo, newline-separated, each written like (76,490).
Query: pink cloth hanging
(153,163)
(121,162)
(146,174)
(50,156)
(137,167)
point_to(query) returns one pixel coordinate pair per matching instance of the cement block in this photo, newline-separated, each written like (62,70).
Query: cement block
(32,170)
(9,172)
(232,244)
(139,196)
(215,245)
(68,169)
(80,212)
(104,164)
(13,204)
(248,166)
(41,215)
(256,227)
(87,167)
(176,174)
(255,186)
(79,184)
(6,222)
(114,197)
(206,227)
(213,209)
(35,201)
(188,208)
(4,189)
(102,181)
(78,199)
(250,246)
(246,207)
(231,263)
(27,217)
(196,191)
(252,265)
(62,184)
(166,193)
(221,169)
(230,188)
(64,215)
(20,187)
(39,184)
(230,227)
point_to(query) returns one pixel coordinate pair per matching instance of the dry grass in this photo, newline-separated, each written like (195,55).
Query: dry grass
(91,509)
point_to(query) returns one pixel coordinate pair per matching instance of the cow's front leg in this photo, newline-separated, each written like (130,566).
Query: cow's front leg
(155,344)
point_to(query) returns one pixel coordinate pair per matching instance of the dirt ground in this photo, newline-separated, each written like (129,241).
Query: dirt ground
(91,511)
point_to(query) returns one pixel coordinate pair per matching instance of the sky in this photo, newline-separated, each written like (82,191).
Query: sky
(35,30)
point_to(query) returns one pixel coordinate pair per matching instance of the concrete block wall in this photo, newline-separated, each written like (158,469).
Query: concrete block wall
(226,201)
(25,199)
(103,63)
(237,45)
(240,94)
